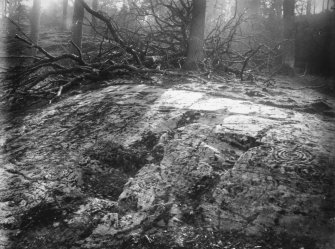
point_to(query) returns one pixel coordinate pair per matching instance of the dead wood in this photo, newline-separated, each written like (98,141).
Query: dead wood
(113,32)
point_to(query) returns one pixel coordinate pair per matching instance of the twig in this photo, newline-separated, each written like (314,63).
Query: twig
(80,56)
(113,32)
(57,72)
(34,46)
(245,63)
(19,28)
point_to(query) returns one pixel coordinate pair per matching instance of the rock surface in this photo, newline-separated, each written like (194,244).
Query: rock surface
(214,164)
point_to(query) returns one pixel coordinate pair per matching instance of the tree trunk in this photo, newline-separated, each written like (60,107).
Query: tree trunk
(289,34)
(278,7)
(77,26)
(309,7)
(64,21)
(251,7)
(3,9)
(195,51)
(254,7)
(35,23)
(332,46)
(94,20)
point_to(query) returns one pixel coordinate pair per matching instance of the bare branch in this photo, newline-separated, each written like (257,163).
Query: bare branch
(113,32)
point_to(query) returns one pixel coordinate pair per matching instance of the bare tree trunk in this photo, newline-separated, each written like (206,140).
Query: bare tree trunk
(64,22)
(195,50)
(254,7)
(77,26)
(332,45)
(95,8)
(289,34)
(323,5)
(35,23)
(309,7)
(240,5)
(3,8)
(278,6)
(328,3)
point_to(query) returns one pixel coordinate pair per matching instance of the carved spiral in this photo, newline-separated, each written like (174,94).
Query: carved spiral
(293,158)
(293,155)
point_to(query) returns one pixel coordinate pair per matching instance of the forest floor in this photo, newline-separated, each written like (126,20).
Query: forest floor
(173,162)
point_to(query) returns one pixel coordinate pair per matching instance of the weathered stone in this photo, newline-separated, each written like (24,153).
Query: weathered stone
(171,167)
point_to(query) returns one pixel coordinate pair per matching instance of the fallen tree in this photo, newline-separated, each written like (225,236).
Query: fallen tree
(154,46)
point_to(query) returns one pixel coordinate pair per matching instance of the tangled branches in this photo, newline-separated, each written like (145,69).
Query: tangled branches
(151,35)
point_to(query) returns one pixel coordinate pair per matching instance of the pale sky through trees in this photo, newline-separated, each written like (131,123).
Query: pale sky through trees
(47,4)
